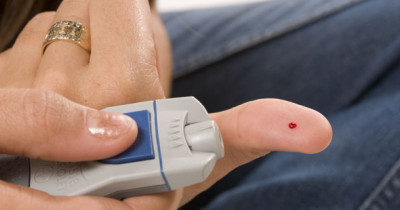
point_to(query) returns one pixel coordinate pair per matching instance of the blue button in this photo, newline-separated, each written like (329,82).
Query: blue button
(142,149)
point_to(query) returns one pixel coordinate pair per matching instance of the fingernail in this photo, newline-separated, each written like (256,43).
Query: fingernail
(107,124)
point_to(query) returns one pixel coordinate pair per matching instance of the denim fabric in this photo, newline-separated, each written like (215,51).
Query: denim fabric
(232,29)
(341,58)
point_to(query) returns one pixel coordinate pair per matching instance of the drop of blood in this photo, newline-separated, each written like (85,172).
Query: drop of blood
(292,125)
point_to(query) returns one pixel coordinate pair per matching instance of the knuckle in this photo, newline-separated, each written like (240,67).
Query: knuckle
(112,92)
(248,153)
(37,26)
(148,60)
(53,79)
(41,18)
(112,83)
(43,109)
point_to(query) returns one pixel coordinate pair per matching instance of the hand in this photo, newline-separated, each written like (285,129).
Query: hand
(115,72)
(125,64)
(42,124)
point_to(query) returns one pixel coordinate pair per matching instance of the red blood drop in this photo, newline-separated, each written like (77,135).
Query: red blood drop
(292,125)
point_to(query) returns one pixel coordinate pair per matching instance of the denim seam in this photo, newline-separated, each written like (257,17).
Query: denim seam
(193,63)
(386,191)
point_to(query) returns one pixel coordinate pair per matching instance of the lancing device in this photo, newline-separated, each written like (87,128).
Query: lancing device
(177,146)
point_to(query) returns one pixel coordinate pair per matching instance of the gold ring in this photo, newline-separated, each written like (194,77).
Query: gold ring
(68,31)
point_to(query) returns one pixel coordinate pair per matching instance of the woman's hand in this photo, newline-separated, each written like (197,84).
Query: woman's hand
(38,123)
(124,66)
(121,68)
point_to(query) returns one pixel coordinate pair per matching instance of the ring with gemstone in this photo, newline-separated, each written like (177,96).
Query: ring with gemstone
(68,31)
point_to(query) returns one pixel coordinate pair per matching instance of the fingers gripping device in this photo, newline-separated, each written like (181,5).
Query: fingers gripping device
(177,145)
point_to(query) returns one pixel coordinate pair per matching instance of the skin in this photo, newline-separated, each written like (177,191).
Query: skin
(49,103)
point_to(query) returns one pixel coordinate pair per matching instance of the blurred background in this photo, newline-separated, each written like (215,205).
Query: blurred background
(176,5)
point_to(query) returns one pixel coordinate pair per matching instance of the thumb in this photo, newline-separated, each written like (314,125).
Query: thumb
(256,128)
(42,124)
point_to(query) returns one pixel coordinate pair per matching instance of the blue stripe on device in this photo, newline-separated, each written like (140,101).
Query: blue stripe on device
(159,147)
(142,149)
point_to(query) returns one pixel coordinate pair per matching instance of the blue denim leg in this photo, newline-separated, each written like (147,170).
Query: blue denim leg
(337,57)
(359,170)
(201,37)
(341,59)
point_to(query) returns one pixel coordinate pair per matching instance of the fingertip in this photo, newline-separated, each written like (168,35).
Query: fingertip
(312,132)
(321,137)
(279,125)
(109,125)
(46,125)
(103,135)
(109,133)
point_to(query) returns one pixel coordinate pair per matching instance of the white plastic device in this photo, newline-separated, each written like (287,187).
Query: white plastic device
(177,146)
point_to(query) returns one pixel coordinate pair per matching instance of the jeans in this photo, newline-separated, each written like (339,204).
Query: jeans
(339,57)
